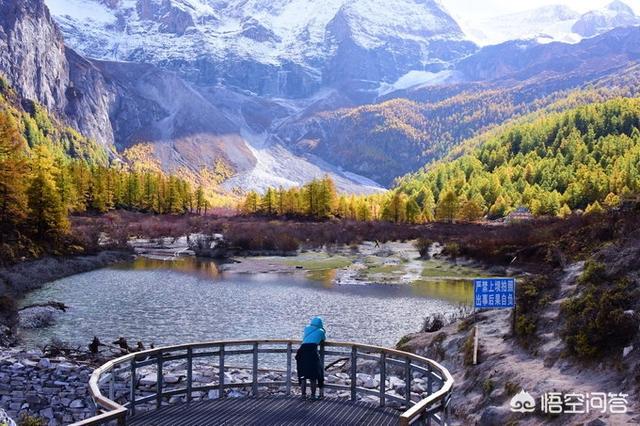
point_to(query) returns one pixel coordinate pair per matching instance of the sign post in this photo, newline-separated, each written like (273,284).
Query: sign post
(492,293)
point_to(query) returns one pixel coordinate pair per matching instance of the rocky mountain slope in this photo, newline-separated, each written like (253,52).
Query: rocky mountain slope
(194,131)
(287,48)
(36,62)
(416,125)
(281,93)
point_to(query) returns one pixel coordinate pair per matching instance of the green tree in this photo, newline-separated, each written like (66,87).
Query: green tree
(471,210)
(46,212)
(448,206)
(13,175)
(413,213)
(594,208)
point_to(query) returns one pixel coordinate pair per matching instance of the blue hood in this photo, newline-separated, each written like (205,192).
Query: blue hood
(317,322)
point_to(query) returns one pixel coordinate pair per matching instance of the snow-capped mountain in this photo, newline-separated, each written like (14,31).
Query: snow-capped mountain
(616,14)
(287,48)
(551,23)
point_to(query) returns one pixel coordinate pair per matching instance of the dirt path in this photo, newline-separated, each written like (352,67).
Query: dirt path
(483,392)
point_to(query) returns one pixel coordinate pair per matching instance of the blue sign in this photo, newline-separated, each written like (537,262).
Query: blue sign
(494,293)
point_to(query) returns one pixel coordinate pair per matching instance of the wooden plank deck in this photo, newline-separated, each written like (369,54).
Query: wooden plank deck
(268,411)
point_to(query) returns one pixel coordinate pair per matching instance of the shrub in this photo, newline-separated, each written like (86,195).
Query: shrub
(423,245)
(511,388)
(488,386)
(596,323)
(532,296)
(433,323)
(593,273)
(451,249)
(27,420)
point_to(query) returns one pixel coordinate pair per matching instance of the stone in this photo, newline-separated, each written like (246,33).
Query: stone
(171,379)
(175,399)
(371,383)
(77,403)
(149,380)
(44,363)
(495,416)
(213,394)
(47,413)
(627,350)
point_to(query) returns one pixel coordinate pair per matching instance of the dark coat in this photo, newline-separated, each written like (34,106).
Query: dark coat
(308,363)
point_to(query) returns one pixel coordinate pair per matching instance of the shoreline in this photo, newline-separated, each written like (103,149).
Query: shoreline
(19,279)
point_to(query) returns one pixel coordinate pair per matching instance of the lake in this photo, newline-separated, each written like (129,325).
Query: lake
(186,300)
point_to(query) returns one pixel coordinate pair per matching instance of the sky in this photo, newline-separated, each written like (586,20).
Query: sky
(473,10)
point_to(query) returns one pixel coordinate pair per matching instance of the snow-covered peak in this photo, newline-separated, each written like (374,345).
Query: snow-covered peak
(618,6)
(548,22)
(551,23)
(216,39)
(616,14)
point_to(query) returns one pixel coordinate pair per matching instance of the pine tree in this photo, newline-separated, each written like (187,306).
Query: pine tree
(448,205)
(471,210)
(13,174)
(268,205)
(200,200)
(594,208)
(395,210)
(46,212)
(413,213)
(564,212)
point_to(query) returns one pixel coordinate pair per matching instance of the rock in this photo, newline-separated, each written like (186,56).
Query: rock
(495,416)
(213,394)
(175,399)
(171,379)
(627,350)
(77,403)
(371,383)
(47,413)
(596,422)
(149,380)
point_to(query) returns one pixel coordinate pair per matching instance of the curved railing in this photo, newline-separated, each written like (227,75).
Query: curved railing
(122,377)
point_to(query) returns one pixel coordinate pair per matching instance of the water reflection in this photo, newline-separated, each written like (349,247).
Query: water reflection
(460,291)
(201,268)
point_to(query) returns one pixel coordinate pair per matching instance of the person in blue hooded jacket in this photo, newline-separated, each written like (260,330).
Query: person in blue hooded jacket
(308,357)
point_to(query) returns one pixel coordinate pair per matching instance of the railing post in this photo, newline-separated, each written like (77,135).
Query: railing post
(354,370)
(132,389)
(221,373)
(383,378)
(112,381)
(429,388)
(189,373)
(288,379)
(254,387)
(159,381)
(322,367)
(407,381)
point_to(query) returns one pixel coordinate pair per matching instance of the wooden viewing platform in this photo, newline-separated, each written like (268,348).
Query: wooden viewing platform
(269,411)
(172,404)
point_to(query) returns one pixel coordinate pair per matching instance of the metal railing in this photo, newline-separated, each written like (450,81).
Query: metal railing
(418,408)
